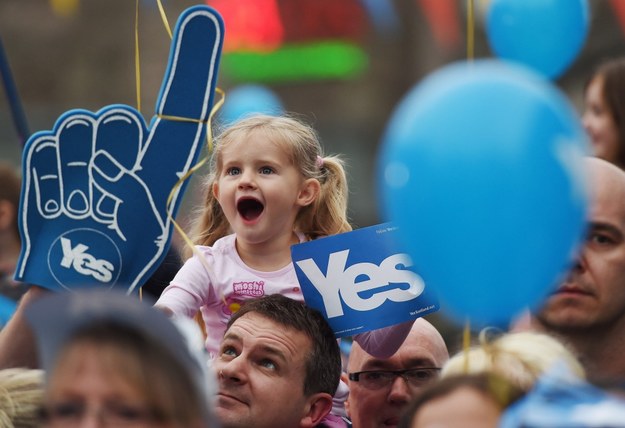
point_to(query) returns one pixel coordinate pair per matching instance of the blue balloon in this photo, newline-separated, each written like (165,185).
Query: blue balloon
(481,166)
(245,100)
(7,308)
(546,35)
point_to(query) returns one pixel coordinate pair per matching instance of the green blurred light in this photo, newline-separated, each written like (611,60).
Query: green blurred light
(321,60)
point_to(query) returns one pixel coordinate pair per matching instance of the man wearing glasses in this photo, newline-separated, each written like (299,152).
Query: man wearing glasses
(379,389)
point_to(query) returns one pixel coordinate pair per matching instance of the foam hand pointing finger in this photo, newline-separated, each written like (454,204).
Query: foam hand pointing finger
(94,197)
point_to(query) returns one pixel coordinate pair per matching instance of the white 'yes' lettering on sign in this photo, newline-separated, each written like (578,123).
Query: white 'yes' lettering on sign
(341,282)
(84,263)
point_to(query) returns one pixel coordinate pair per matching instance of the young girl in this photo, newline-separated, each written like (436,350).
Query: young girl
(604,111)
(270,187)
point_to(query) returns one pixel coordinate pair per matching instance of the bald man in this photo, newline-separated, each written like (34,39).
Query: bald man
(588,309)
(379,389)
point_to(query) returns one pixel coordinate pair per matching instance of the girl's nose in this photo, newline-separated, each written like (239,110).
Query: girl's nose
(246,180)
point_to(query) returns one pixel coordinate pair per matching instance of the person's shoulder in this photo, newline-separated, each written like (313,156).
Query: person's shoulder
(224,244)
(334,422)
(221,245)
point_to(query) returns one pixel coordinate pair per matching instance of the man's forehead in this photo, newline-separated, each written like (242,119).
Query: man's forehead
(257,330)
(416,351)
(607,204)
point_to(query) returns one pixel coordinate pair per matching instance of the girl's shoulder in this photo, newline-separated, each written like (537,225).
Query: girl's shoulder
(222,245)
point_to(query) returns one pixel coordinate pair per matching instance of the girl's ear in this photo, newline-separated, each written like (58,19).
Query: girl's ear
(308,192)
(215,190)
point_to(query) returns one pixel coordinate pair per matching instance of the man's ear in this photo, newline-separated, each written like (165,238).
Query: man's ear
(318,406)
(345,380)
(308,192)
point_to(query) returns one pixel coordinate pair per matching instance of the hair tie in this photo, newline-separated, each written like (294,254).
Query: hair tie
(319,162)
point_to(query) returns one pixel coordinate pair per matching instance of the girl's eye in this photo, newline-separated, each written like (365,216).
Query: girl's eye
(596,110)
(266,170)
(233,171)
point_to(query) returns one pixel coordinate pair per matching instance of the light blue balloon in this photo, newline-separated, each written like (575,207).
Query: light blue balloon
(246,100)
(546,35)
(7,308)
(481,166)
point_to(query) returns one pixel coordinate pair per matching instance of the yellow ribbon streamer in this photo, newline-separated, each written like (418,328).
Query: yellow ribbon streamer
(137,62)
(466,344)
(164,18)
(470,31)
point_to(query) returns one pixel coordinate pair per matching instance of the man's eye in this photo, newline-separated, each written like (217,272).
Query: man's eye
(268,364)
(373,375)
(229,351)
(266,170)
(421,374)
(600,239)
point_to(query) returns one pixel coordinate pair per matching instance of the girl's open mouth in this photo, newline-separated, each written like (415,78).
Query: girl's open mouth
(250,208)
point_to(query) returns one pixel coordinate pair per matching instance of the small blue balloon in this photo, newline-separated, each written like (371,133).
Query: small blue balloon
(481,166)
(545,35)
(246,100)
(7,308)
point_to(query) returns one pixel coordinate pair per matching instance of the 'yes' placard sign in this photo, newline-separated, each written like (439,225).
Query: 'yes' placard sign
(361,280)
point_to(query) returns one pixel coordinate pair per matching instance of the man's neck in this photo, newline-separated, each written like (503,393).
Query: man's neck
(600,350)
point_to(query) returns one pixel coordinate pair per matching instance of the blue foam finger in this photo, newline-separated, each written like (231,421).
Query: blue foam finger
(121,135)
(194,57)
(122,172)
(74,161)
(43,177)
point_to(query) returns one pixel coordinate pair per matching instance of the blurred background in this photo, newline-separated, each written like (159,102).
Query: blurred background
(342,65)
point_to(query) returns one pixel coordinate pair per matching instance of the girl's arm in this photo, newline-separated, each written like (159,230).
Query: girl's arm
(384,342)
(188,291)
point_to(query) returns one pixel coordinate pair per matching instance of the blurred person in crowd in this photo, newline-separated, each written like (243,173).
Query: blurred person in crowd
(519,357)
(17,346)
(462,401)
(604,111)
(278,365)
(587,311)
(10,243)
(111,360)
(380,389)
(21,396)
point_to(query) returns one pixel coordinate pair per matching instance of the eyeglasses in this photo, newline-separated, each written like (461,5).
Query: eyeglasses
(69,414)
(377,379)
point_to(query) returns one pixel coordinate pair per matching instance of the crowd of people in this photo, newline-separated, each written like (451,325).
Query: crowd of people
(261,357)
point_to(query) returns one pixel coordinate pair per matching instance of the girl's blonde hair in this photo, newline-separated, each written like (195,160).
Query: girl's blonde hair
(520,357)
(21,397)
(327,215)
